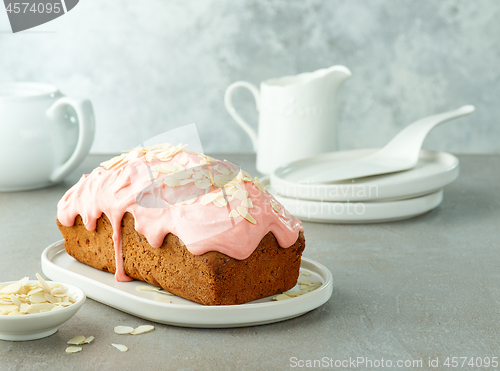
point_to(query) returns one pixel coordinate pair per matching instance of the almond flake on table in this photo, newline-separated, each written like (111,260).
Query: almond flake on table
(143,329)
(123,330)
(77,340)
(73,349)
(120,347)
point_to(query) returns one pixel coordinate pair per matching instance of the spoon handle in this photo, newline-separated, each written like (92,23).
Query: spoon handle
(408,141)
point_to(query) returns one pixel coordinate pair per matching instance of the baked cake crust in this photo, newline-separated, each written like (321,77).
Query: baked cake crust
(212,278)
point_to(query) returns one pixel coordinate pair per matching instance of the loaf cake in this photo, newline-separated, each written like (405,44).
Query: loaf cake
(200,228)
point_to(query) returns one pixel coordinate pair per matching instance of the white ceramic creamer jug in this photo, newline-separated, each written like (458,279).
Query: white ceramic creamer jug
(44,135)
(297,116)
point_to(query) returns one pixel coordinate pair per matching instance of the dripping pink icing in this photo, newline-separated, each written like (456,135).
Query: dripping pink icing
(202,228)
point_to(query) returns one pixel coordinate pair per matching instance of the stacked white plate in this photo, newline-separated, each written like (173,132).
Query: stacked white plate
(380,198)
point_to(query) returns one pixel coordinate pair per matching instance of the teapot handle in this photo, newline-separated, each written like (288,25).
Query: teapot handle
(232,111)
(86,125)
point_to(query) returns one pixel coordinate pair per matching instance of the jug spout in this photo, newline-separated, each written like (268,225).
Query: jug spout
(338,74)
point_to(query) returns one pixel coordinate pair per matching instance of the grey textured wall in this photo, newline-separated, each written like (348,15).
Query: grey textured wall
(149,66)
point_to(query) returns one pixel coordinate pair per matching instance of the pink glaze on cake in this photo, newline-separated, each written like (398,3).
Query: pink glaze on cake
(201,227)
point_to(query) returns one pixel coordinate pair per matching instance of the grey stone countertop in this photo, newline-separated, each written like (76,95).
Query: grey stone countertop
(422,289)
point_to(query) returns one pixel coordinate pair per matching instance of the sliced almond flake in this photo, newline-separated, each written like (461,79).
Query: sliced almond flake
(187,181)
(171,182)
(88,340)
(304,282)
(206,173)
(163,300)
(223,170)
(315,283)
(108,164)
(293,294)
(161,291)
(24,308)
(281,297)
(240,194)
(150,156)
(203,183)
(221,200)
(120,347)
(123,330)
(50,298)
(245,214)
(38,298)
(275,206)
(77,340)
(43,283)
(23,281)
(230,190)
(11,289)
(247,203)
(132,155)
(197,175)
(181,175)
(14,313)
(73,349)
(54,292)
(37,307)
(5,309)
(304,273)
(190,200)
(143,329)
(56,308)
(15,300)
(218,204)
(34,291)
(167,168)
(246,175)
(234,214)
(146,288)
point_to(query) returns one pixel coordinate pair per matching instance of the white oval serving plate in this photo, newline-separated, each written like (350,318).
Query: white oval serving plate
(433,171)
(101,286)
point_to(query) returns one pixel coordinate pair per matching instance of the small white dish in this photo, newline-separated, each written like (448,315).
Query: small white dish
(102,286)
(359,211)
(433,171)
(39,325)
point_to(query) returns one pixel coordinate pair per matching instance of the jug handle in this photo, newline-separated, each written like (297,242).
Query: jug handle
(86,129)
(232,111)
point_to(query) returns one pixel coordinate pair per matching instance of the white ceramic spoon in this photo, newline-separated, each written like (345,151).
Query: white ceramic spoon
(401,153)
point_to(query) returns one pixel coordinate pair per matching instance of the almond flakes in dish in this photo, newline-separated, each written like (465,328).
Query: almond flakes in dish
(23,297)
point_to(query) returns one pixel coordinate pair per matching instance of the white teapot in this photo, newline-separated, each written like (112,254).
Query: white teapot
(43,135)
